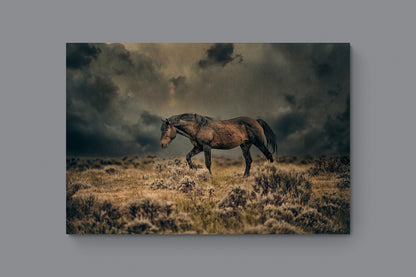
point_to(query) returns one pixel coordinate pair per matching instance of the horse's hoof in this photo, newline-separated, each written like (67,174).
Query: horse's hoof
(246,175)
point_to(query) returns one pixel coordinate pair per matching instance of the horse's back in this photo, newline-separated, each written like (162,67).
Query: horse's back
(252,127)
(227,134)
(243,120)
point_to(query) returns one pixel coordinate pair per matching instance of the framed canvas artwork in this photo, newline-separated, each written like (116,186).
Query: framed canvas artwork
(208,138)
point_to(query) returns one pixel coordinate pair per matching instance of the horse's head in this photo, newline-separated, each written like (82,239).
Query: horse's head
(168,133)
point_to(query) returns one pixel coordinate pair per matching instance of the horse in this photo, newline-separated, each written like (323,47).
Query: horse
(206,133)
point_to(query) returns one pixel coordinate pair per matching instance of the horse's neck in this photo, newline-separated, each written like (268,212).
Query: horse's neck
(186,128)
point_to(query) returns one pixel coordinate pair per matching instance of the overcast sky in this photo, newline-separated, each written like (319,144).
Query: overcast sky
(117,94)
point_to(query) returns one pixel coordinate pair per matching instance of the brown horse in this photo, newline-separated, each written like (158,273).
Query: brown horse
(206,133)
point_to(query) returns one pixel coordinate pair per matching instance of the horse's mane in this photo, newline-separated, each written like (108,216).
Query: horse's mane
(199,119)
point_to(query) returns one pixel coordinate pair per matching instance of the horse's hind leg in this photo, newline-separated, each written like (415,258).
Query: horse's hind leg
(265,151)
(246,153)
(189,156)
(207,153)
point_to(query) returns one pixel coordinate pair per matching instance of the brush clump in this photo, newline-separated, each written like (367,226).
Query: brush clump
(149,195)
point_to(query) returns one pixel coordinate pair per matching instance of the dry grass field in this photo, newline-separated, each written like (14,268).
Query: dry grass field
(149,195)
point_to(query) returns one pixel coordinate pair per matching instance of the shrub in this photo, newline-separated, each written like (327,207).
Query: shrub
(176,162)
(330,204)
(203,175)
(211,191)
(183,222)
(237,198)
(89,215)
(148,161)
(345,178)
(71,189)
(186,185)
(311,220)
(278,213)
(138,226)
(335,164)
(159,184)
(229,217)
(106,211)
(336,208)
(105,162)
(110,170)
(280,200)
(149,208)
(159,167)
(79,207)
(275,199)
(292,185)
(174,223)
(280,227)
(259,229)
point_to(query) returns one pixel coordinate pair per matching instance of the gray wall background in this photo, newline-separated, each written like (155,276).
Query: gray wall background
(32,141)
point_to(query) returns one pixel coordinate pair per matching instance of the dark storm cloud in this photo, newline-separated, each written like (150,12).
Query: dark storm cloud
(239,58)
(333,137)
(97,91)
(150,119)
(322,69)
(104,85)
(178,81)
(86,138)
(97,138)
(220,54)
(117,94)
(324,59)
(179,89)
(332,92)
(289,124)
(337,130)
(80,54)
(142,138)
(290,99)
(316,78)
(118,62)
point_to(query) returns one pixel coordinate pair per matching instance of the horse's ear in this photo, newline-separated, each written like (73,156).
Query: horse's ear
(163,120)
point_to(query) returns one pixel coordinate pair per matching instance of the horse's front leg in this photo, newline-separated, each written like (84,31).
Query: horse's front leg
(207,153)
(189,156)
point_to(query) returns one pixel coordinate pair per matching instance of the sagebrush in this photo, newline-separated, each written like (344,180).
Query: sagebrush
(149,195)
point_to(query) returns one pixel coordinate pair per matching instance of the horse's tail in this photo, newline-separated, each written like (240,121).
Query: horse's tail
(270,136)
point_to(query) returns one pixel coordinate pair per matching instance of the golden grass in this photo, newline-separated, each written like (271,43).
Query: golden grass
(124,181)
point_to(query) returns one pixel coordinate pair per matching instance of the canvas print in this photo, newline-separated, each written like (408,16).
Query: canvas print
(207,138)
